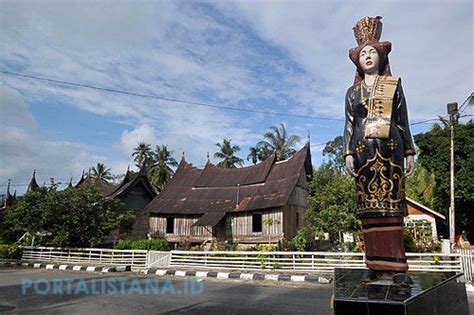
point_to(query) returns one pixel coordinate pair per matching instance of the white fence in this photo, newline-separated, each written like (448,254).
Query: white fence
(158,259)
(467,259)
(134,258)
(323,262)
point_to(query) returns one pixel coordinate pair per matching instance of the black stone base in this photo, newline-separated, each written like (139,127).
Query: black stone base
(432,293)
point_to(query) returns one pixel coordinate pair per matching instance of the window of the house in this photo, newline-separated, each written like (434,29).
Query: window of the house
(257,222)
(297,219)
(170,225)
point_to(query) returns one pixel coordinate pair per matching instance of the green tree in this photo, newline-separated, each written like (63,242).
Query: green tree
(253,154)
(101,173)
(269,223)
(434,147)
(331,205)
(277,140)
(142,153)
(334,150)
(227,153)
(74,217)
(162,166)
(420,186)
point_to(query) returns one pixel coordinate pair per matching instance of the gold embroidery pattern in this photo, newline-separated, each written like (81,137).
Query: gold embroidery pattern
(360,147)
(392,144)
(380,186)
(380,107)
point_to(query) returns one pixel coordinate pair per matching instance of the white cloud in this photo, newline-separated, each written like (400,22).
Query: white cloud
(432,46)
(130,138)
(225,53)
(22,149)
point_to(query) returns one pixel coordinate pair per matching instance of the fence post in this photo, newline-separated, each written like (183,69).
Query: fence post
(133,258)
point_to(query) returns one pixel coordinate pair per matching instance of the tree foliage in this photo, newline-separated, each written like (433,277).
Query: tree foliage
(73,217)
(101,173)
(227,155)
(420,186)
(277,140)
(334,150)
(142,153)
(331,205)
(162,164)
(434,147)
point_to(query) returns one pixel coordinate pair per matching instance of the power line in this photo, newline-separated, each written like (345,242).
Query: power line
(151,96)
(166,98)
(469,98)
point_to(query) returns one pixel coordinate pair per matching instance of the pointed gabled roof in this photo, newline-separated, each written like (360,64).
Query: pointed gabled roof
(116,190)
(33,185)
(9,198)
(212,189)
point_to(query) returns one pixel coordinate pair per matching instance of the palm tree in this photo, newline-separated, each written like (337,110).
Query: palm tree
(253,154)
(161,169)
(142,153)
(101,173)
(226,153)
(277,140)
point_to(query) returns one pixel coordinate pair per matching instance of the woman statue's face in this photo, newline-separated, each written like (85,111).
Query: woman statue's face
(369,60)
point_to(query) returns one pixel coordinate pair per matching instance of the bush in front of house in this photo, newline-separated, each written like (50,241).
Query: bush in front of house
(10,251)
(155,244)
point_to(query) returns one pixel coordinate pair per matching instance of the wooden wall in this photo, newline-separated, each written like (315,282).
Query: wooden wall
(236,226)
(297,205)
(182,227)
(239,225)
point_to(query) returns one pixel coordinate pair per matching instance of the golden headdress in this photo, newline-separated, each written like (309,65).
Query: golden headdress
(368,31)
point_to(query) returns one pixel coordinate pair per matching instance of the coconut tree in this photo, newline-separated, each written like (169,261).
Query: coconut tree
(227,153)
(142,153)
(277,140)
(162,166)
(101,173)
(253,154)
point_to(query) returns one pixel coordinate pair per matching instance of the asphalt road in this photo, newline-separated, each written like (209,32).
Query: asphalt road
(57,292)
(39,291)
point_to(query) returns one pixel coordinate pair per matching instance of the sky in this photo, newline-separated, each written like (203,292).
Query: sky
(288,57)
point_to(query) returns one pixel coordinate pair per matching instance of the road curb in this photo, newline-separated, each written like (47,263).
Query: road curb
(238,275)
(86,268)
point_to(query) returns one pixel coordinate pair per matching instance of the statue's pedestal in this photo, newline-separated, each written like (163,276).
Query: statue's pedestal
(433,293)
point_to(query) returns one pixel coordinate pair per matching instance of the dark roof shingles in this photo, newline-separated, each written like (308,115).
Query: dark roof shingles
(182,195)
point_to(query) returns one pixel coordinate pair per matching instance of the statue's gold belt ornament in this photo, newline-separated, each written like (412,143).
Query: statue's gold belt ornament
(380,107)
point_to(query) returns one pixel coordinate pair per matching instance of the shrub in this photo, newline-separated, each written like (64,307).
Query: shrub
(155,244)
(299,241)
(11,251)
(266,248)
(123,244)
(225,246)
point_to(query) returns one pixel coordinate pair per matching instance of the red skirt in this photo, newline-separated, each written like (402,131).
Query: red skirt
(383,242)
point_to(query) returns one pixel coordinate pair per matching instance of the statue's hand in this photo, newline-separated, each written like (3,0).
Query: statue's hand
(350,165)
(410,165)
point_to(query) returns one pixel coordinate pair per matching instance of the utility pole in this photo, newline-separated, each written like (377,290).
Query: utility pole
(453,119)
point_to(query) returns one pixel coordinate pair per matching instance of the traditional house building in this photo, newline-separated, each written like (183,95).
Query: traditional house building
(424,216)
(33,185)
(8,200)
(255,204)
(135,192)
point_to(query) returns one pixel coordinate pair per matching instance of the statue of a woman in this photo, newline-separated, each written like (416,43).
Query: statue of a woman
(377,143)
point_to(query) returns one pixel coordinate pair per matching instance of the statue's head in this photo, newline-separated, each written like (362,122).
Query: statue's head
(369,60)
(371,54)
